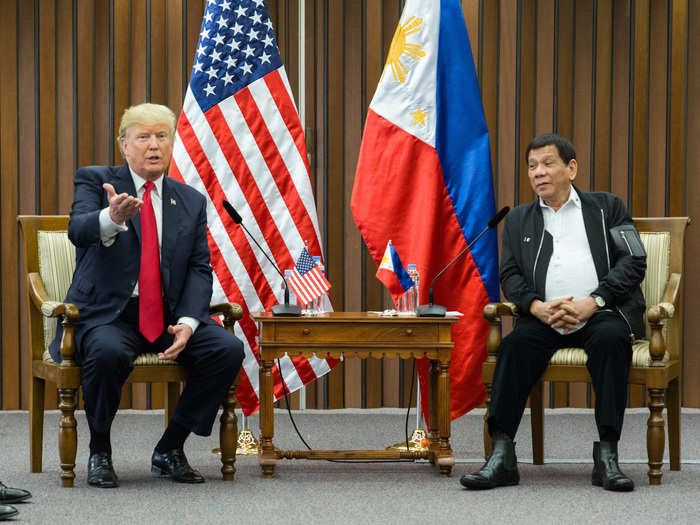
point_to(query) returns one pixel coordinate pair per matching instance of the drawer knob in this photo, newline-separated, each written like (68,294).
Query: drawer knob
(306,331)
(409,331)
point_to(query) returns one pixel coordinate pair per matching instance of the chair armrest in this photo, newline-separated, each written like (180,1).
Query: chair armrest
(493,313)
(48,308)
(657,314)
(667,307)
(232,312)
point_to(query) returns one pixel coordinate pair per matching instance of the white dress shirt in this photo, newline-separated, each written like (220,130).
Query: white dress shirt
(571,270)
(109,229)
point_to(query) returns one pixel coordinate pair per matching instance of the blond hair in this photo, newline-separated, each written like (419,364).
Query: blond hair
(145,114)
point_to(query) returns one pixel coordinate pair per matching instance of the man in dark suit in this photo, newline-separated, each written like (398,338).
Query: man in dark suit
(572,262)
(143,284)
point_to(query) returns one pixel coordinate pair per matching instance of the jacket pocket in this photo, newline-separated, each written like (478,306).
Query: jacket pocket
(627,240)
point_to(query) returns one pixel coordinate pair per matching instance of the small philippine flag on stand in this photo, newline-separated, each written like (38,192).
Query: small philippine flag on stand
(392,273)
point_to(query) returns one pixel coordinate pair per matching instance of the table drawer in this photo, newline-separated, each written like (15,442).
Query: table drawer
(352,333)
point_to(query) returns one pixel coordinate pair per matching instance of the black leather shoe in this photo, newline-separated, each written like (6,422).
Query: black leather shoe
(7,511)
(10,495)
(606,471)
(101,472)
(173,464)
(500,470)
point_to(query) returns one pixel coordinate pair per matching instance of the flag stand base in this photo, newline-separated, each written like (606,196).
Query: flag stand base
(246,445)
(418,442)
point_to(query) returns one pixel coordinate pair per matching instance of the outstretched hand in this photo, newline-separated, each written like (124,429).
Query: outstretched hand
(182,333)
(122,206)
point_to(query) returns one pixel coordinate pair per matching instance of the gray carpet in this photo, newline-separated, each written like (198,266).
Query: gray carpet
(312,492)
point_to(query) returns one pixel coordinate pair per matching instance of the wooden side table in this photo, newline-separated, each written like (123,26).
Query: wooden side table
(360,335)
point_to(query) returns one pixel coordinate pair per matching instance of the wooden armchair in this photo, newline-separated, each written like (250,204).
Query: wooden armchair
(656,360)
(49,261)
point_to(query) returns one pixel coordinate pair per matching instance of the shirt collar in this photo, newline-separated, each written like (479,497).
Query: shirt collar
(573,198)
(140,181)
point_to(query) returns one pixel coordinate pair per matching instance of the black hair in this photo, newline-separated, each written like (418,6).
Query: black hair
(564,146)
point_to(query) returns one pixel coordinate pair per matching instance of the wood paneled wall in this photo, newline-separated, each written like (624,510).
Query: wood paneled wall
(621,78)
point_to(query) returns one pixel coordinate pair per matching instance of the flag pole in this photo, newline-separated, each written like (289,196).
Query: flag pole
(302,115)
(246,444)
(419,437)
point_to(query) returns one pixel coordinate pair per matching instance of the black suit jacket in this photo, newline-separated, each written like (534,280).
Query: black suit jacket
(105,276)
(527,248)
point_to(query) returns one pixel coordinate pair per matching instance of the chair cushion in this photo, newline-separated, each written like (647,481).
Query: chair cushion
(577,356)
(658,248)
(56,267)
(143,359)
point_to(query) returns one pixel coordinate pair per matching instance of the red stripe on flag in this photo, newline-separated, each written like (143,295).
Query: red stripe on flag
(284,103)
(256,202)
(246,396)
(235,233)
(277,167)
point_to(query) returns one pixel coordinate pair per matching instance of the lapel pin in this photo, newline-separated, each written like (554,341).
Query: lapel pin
(172,202)
(526,239)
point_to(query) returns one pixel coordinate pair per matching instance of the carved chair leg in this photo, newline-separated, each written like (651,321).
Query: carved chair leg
(673,400)
(228,435)
(487,436)
(537,423)
(67,435)
(36,424)
(655,435)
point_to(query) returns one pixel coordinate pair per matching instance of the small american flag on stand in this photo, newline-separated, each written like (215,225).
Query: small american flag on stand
(239,138)
(307,281)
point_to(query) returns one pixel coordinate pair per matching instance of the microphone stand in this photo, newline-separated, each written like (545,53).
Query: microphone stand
(435,310)
(281,310)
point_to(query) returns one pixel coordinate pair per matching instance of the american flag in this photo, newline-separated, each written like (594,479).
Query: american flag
(239,138)
(307,280)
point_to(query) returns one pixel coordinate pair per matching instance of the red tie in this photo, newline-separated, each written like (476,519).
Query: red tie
(150,289)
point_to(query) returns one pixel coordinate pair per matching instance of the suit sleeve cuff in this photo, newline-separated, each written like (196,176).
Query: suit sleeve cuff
(189,321)
(108,228)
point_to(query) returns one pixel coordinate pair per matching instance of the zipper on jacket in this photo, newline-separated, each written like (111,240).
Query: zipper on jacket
(539,249)
(605,238)
(622,234)
(607,253)
(626,321)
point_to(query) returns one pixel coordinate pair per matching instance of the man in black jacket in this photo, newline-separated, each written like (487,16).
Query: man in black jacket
(572,262)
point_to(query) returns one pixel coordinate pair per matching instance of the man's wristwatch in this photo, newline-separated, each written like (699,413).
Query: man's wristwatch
(599,300)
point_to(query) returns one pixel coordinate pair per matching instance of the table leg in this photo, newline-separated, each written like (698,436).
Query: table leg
(267,455)
(446,459)
(433,411)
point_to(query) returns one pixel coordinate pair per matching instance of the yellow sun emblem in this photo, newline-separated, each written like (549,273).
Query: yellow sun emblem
(399,48)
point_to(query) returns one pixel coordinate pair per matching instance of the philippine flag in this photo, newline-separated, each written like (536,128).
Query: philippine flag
(424,179)
(392,273)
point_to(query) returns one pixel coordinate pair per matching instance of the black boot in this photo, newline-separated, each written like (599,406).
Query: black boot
(606,471)
(501,469)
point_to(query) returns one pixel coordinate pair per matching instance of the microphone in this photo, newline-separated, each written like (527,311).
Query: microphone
(434,310)
(286,309)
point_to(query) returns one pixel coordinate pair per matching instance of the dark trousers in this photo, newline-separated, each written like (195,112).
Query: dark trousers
(526,351)
(107,353)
